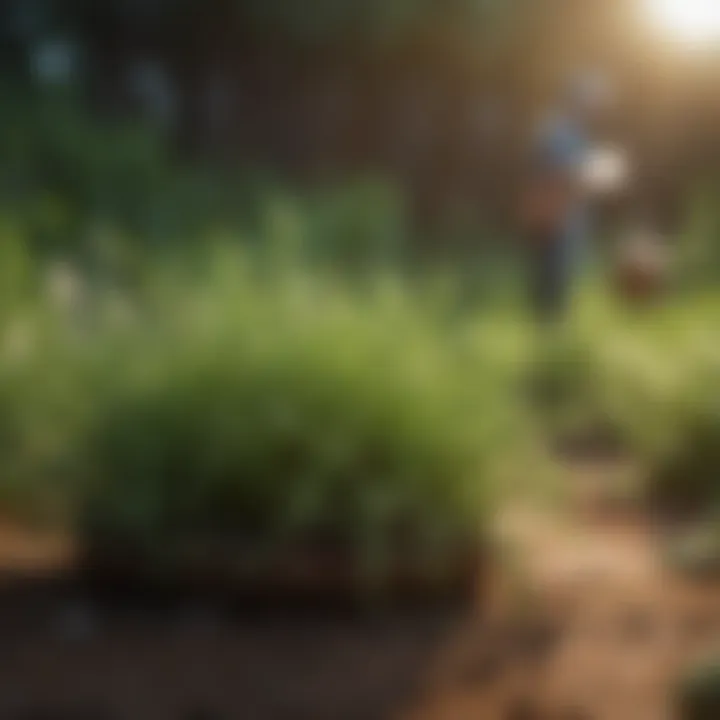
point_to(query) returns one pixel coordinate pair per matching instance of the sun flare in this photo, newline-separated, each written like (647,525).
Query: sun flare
(695,21)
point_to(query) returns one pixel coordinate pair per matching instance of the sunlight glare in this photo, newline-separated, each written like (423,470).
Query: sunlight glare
(694,21)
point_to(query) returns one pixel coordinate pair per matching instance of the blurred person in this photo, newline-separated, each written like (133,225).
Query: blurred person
(564,174)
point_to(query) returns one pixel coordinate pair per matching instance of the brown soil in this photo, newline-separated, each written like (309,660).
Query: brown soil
(586,622)
(620,625)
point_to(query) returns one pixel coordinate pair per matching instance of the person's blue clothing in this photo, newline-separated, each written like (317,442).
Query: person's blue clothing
(560,149)
(561,145)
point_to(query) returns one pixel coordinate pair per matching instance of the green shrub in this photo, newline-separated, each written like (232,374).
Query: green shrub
(278,407)
(650,379)
(70,180)
(661,389)
(685,474)
(63,170)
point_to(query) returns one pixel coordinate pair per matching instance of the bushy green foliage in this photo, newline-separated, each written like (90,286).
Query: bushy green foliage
(699,241)
(649,377)
(662,388)
(276,407)
(250,394)
(77,185)
(62,171)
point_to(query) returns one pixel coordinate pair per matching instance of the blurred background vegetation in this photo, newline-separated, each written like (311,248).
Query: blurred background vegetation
(436,96)
(258,263)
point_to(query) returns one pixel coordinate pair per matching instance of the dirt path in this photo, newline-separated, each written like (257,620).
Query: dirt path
(597,627)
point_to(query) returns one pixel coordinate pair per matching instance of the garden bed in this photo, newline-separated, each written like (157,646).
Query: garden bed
(115,641)
(310,575)
(69,656)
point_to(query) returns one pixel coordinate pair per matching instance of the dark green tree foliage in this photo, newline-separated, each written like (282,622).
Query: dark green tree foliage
(324,19)
(303,20)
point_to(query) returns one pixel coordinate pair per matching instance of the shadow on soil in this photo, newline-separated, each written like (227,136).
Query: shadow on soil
(69,652)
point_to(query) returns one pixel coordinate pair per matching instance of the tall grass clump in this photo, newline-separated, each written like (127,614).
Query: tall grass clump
(283,408)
